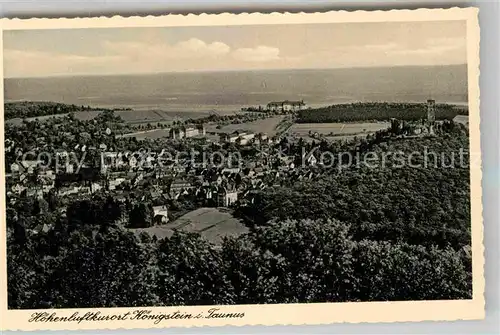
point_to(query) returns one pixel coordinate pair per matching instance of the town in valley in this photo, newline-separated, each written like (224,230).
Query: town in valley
(170,169)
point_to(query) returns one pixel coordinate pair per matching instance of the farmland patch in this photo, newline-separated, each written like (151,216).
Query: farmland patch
(211,223)
(81,115)
(332,130)
(267,126)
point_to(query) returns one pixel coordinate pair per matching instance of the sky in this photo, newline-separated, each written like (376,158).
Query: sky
(92,51)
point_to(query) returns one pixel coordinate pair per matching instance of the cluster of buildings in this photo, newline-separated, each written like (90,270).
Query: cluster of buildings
(279,106)
(37,183)
(286,106)
(178,133)
(242,137)
(225,187)
(119,174)
(427,125)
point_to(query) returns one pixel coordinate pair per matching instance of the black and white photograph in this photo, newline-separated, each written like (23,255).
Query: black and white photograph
(233,165)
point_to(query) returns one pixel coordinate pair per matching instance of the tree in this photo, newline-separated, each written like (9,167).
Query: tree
(191,272)
(141,216)
(40,207)
(22,278)
(312,259)
(52,200)
(105,269)
(398,271)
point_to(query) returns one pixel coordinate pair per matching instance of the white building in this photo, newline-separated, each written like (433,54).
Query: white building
(94,187)
(237,137)
(70,168)
(286,105)
(245,138)
(191,132)
(183,132)
(115,182)
(160,214)
(227,197)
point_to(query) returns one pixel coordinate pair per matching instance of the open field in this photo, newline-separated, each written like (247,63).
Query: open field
(150,134)
(82,115)
(267,126)
(211,223)
(137,117)
(150,116)
(345,137)
(129,116)
(167,123)
(336,129)
(160,133)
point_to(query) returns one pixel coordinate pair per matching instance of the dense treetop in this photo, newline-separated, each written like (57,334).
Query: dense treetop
(376,111)
(28,109)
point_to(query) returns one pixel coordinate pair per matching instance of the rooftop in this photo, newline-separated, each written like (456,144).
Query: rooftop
(285,102)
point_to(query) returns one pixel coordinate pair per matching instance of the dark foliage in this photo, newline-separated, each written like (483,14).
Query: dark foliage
(375,111)
(427,204)
(27,109)
(284,262)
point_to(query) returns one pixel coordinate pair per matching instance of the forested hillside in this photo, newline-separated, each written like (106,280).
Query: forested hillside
(27,109)
(417,204)
(376,111)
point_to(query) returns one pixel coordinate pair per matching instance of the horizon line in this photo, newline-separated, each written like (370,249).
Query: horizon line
(222,71)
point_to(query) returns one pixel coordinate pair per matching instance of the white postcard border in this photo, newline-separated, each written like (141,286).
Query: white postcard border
(280,314)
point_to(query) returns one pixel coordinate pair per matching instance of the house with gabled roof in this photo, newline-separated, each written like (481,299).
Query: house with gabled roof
(227,196)
(179,185)
(160,214)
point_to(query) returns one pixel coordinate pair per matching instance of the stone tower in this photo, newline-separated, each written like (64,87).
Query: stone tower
(431,111)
